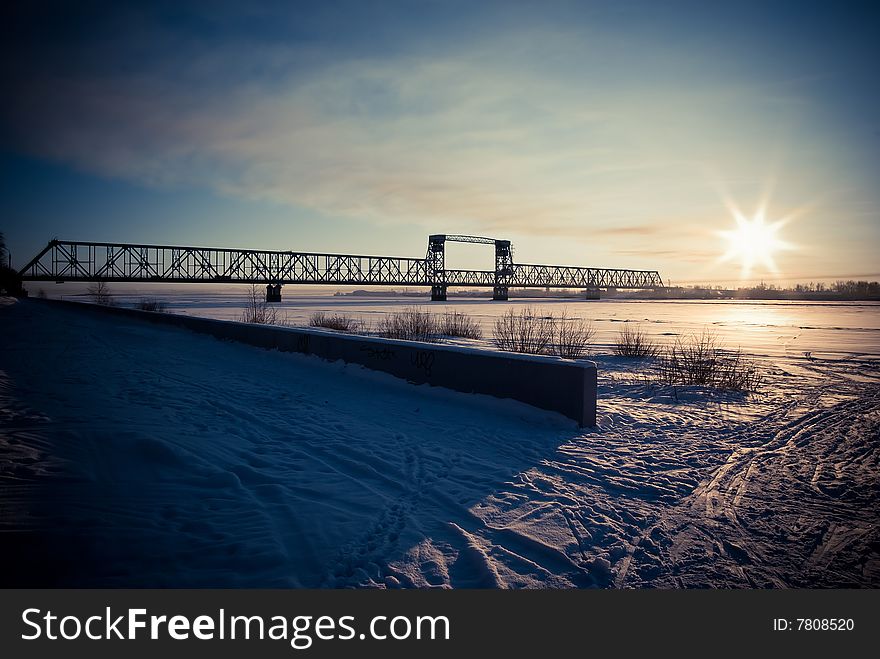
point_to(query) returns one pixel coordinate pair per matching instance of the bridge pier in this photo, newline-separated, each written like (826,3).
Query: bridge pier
(500,293)
(273,293)
(592,294)
(438,293)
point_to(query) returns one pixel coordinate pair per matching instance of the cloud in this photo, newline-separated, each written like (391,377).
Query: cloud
(685,255)
(492,137)
(637,230)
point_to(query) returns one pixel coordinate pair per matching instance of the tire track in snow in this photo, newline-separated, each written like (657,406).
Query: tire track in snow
(772,490)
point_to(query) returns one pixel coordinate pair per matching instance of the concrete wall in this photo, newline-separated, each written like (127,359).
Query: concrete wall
(564,386)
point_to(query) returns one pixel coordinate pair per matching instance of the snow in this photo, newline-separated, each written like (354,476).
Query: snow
(142,455)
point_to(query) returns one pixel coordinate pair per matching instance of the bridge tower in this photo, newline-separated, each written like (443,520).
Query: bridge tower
(436,258)
(503,269)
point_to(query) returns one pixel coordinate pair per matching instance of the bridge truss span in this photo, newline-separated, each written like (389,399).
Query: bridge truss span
(80,261)
(564,276)
(64,260)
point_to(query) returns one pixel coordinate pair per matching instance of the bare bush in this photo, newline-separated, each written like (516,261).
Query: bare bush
(416,324)
(460,325)
(701,360)
(260,312)
(540,333)
(633,342)
(151,304)
(100,294)
(337,322)
(412,324)
(523,331)
(572,337)
(736,373)
(690,362)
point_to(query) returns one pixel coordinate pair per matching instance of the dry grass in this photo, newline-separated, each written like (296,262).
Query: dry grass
(459,325)
(702,361)
(523,331)
(411,324)
(338,322)
(633,342)
(572,337)
(416,324)
(151,304)
(541,333)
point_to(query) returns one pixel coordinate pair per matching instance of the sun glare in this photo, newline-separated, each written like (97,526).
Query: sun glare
(754,243)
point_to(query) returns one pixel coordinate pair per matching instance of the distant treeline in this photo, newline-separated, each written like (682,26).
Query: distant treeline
(870,289)
(838,290)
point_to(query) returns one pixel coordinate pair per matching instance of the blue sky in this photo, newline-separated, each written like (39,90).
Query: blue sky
(607,134)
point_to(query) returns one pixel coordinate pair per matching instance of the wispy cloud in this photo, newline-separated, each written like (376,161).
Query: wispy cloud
(470,140)
(638,230)
(686,255)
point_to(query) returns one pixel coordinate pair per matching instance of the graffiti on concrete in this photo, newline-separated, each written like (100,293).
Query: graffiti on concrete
(383,354)
(424,360)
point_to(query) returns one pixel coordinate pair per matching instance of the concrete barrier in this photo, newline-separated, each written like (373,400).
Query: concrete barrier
(550,383)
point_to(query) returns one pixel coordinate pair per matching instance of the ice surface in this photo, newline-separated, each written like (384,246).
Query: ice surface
(777,328)
(142,455)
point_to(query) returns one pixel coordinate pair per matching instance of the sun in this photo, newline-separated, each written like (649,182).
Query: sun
(753,242)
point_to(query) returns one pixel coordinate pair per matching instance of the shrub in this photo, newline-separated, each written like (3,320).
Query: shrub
(538,333)
(461,325)
(412,324)
(523,331)
(633,342)
(151,304)
(702,361)
(260,312)
(572,337)
(335,322)
(736,373)
(415,324)
(100,294)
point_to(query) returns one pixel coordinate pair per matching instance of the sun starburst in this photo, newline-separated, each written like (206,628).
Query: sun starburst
(754,242)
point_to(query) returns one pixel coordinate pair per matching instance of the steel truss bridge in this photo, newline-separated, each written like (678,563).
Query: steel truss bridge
(65,260)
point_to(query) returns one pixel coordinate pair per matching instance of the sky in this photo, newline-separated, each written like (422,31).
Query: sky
(616,134)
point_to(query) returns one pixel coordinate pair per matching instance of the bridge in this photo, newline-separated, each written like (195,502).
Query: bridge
(64,260)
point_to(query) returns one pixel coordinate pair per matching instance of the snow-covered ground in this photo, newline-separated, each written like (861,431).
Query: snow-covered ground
(137,455)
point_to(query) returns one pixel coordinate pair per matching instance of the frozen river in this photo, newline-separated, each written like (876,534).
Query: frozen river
(824,330)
